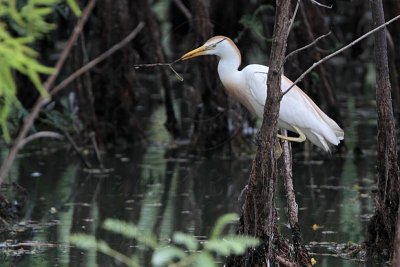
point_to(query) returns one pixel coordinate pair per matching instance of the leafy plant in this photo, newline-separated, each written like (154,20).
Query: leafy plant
(185,250)
(22,23)
(253,23)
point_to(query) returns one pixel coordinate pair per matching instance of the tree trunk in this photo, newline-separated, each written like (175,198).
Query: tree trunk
(259,211)
(396,253)
(382,226)
(392,9)
(210,126)
(301,253)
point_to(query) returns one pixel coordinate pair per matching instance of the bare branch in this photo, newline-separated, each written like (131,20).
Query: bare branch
(338,52)
(71,41)
(294,16)
(97,60)
(319,4)
(305,47)
(42,134)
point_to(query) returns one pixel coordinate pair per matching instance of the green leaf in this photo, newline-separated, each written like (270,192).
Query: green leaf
(231,245)
(188,241)
(221,223)
(239,244)
(83,241)
(204,259)
(165,255)
(131,231)
(217,246)
(74,7)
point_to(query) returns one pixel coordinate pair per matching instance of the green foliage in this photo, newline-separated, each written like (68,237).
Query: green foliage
(185,250)
(130,230)
(65,117)
(253,23)
(22,23)
(89,242)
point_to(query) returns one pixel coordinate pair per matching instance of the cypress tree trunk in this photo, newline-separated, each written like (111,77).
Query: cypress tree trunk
(259,214)
(382,226)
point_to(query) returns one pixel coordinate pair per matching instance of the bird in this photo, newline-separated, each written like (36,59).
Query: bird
(298,113)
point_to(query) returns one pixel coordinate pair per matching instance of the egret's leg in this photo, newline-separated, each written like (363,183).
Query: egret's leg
(299,139)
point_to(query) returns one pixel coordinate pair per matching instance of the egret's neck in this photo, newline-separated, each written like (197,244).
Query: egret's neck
(228,65)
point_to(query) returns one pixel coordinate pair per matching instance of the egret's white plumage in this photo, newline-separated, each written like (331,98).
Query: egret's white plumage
(249,87)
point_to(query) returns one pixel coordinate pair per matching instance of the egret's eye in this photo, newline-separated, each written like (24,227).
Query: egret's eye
(212,46)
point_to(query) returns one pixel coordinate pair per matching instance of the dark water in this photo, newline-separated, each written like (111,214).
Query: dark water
(157,186)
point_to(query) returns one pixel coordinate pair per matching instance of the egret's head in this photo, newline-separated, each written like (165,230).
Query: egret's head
(217,45)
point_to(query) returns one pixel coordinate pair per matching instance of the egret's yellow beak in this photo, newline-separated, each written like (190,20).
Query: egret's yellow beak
(194,53)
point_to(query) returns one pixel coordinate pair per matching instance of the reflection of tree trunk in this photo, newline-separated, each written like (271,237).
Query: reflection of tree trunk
(382,225)
(82,213)
(259,211)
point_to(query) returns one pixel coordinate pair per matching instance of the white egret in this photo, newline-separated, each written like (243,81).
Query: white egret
(298,113)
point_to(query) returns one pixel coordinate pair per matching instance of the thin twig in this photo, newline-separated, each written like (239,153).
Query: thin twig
(293,17)
(42,134)
(77,150)
(319,4)
(337,52)
(97,60)
(183,9)
(5,167)
(305,47)
(71,41)
(179,77)
(96,149)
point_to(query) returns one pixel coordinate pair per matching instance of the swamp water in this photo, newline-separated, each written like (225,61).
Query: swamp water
(165,189)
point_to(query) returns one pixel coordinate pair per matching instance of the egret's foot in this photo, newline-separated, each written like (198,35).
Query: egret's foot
(278,150)
(299,139)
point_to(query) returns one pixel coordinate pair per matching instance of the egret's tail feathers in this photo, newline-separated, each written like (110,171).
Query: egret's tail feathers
(322,141)
(316,139)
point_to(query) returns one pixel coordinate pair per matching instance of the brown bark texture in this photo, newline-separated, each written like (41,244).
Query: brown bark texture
(382,225)
(301,254)
(259,213)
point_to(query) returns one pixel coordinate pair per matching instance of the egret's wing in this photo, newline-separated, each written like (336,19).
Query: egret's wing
(296,108)
(256,82)
(299,110)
